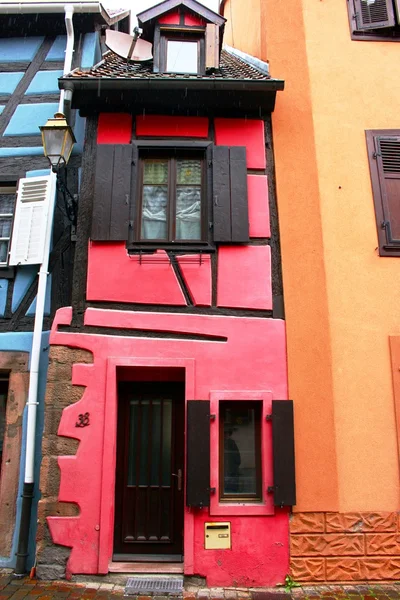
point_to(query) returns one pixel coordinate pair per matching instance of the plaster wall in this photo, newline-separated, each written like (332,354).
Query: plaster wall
(340,297)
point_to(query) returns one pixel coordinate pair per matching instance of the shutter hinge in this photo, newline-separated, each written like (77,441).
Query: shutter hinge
(268,418)
(270,489)
(384,224)
(376,154)
(210,163)
(212,417)
(126,199)
(131,224)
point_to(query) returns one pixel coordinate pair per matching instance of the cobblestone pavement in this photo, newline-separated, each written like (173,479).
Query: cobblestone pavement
(33,589)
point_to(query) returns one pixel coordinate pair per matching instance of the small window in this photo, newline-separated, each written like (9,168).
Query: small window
(171,204)
(182,52)
(7,203)
(384,161)
(374,19)
(240,451)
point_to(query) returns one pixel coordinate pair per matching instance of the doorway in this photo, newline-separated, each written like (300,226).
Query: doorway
(149,496)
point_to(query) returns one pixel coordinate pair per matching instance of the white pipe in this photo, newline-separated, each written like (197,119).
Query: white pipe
(50,7)
(42,284)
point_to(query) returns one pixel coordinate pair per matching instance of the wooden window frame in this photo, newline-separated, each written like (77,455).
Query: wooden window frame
(388,34)
(173,149)
(386,246)
(244,404)
(166,33)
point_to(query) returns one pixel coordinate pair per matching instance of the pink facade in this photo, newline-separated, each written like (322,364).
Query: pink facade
(221,356)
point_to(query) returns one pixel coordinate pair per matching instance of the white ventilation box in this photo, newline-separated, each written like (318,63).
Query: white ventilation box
(30,220)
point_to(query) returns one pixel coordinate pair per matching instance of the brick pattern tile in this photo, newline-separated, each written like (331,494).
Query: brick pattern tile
(345,547)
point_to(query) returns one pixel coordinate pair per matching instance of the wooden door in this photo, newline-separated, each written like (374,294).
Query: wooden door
(149,478)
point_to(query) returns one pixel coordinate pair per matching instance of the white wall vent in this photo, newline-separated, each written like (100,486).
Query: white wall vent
(30,220)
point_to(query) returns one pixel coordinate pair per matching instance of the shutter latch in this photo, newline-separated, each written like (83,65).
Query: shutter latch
(384,224)
(376,154)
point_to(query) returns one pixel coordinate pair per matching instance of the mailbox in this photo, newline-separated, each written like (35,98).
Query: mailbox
(217,536)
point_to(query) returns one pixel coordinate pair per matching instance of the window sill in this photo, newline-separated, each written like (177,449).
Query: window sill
(195,248)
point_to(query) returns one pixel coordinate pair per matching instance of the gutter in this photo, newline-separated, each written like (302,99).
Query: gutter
(32,404)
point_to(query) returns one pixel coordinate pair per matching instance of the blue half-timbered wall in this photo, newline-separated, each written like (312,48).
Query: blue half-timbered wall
(30,64)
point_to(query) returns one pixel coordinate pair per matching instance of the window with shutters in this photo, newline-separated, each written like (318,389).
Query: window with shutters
(187,195)
(7,203)
(384,161)
(171,203)
(374,19)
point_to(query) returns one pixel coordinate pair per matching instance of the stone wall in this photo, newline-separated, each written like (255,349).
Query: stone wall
(51,558)
(345,547)
(15,364)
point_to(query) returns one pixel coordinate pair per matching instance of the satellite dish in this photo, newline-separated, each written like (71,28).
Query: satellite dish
(127,46)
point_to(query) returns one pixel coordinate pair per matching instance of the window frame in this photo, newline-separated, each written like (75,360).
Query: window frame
(165,33)
(172,184)
(12,186)
(386,248)
(232,507)
(230,497)
(372,35)
(173,147)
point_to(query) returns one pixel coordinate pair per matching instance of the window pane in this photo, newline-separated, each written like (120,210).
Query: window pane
(188,213)
(188,172)
(7,203)
(154,212)
(3,251)
(5,227)
(155,172)
(182,57)
(241,459)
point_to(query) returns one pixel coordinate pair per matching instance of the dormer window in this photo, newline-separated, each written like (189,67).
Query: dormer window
(182,52)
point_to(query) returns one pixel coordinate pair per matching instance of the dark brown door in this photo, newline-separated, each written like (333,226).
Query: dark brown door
(149,477)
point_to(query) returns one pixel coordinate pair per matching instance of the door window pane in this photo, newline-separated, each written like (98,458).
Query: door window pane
(240,450)
(182,57)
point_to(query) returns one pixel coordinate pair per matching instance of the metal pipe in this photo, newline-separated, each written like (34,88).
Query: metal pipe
(32,404)
(51,7)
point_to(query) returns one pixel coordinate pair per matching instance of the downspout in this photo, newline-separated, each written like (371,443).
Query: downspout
(32,404)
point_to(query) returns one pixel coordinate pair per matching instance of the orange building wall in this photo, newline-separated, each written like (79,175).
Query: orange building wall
(341,298)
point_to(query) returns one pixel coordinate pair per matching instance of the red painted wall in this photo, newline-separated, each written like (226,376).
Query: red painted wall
(114,128)
(161,126)
(243,364)
(171,18)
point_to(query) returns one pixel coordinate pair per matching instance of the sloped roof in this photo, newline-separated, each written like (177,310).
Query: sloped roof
(112,66)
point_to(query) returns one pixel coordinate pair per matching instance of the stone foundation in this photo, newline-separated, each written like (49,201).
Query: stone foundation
(51,558)
(345,547)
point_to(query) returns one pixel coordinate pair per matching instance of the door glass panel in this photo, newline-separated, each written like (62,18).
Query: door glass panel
(133,430)
(166,438)
(156,443)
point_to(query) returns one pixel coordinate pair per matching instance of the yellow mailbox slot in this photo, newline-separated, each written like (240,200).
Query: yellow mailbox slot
(217,536)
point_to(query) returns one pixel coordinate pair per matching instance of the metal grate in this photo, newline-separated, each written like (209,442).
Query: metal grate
(166,585)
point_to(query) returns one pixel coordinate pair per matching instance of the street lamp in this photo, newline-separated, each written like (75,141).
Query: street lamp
(58,140)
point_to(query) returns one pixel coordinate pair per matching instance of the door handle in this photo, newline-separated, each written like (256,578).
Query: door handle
(179,476)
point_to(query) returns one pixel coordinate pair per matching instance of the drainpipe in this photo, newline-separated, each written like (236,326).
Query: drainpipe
(32,404)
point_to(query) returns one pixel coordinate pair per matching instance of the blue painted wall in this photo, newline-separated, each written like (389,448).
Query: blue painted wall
(57,51)
(91,52)
(9,81)
(22,342)
(27,118)
(44,82)
(3,295)
(23,280)
(1,109)
(21,49)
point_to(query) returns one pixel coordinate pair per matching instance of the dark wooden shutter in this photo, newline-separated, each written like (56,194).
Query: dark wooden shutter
(230,203)
(283,453)
(112,192)
(212,46)
(198,453)
(388,163)
(377,15)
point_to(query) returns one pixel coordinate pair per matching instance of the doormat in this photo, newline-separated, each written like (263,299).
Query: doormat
(160,586)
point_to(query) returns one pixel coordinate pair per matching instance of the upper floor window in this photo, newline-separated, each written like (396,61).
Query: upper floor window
(171,203)
(384,161)
(374,19)
(182,52)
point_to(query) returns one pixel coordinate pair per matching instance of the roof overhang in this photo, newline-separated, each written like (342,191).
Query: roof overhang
(10,7)
(183,96)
